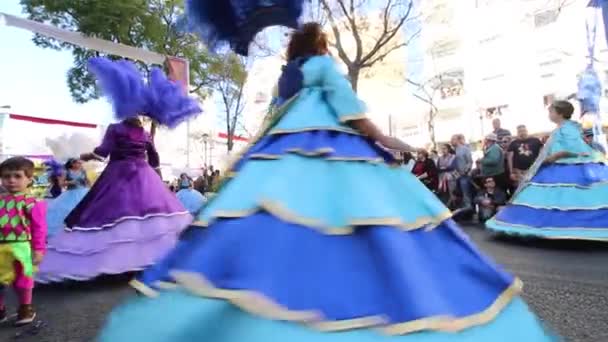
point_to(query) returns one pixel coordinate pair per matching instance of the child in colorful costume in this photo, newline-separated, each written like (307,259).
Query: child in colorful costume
(564,195)
(77,188)
(317,238)
(129,218)
(190,198)
(22,236)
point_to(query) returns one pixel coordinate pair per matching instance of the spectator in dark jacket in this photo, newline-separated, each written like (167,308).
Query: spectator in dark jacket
(426,170)
(490,199)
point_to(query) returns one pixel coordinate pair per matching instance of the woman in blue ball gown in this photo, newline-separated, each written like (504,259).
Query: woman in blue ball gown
(565,192)
(190,198)
(318,237)
(77,187)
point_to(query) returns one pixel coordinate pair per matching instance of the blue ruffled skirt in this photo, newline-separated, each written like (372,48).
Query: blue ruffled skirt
(561,201)
(59,208)
(319,238)
(192,200)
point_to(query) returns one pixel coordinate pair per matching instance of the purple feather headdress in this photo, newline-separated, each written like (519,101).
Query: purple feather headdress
(122,83)
(160,99)
(54,168)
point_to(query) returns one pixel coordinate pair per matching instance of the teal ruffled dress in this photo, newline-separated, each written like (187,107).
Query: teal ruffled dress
(318,237)
(567,199)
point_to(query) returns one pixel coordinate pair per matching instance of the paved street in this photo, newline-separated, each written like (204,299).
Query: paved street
(566,283)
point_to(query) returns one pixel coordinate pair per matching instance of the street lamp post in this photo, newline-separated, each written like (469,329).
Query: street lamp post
(205,141)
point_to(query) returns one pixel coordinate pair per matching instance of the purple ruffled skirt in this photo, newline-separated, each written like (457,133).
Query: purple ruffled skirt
(127,221)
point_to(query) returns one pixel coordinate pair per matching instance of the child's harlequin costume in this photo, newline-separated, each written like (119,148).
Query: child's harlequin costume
(22,231)
(22,234)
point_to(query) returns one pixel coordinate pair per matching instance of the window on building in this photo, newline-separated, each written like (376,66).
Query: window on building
(545,18)
(547,75)
(451,83)
(486,3)
(261,97)
(497,111)
(444,49)
(493,77)
(489,39)
(550,62)
(605,81)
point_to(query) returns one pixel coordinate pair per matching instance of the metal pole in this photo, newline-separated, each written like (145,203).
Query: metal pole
(205,139)
(188,144)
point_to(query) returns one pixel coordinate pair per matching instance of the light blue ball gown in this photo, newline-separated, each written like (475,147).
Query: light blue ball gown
(191,199)
(318,237)
(567,199)
(59,208)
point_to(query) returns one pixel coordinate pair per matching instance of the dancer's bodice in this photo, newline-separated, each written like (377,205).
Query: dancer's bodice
(130,142)
(78,179)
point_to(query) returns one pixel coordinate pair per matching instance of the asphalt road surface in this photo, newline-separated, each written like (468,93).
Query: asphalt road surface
(566,283)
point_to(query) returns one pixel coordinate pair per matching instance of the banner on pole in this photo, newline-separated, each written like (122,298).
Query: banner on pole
(179,71)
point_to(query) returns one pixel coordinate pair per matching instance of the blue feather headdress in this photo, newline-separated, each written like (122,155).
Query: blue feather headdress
(122,83)
(160,99)
(236,22)
(54,168)
(166,102)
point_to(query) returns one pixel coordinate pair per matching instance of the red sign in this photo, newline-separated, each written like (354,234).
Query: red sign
(51,121)
(234,138)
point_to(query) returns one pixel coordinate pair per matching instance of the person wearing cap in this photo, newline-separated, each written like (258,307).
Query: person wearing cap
(493,161)
(588,137)
(500,132)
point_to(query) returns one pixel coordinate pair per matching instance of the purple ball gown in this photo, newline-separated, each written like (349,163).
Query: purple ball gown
(127,220)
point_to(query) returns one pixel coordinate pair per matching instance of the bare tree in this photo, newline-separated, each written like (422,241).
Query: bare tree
(352,19)
(230,74)
(427,92)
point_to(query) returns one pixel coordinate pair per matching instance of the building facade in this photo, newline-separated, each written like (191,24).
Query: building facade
(508,59)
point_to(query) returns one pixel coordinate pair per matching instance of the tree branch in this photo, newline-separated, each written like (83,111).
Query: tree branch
(351,18)
(336,30)
(388,33)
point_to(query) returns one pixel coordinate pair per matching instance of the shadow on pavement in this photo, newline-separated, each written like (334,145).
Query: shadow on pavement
(565,245)
(107,282)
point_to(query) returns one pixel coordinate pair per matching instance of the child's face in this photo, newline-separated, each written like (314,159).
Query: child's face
(77,165)
(15,180)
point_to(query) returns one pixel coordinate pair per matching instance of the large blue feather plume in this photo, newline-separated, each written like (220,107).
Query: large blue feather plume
(236,22)
(122,83)
(160,99)
(166,101)
(54,168)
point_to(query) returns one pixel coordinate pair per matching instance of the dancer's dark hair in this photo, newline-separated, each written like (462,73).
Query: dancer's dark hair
(309,40)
